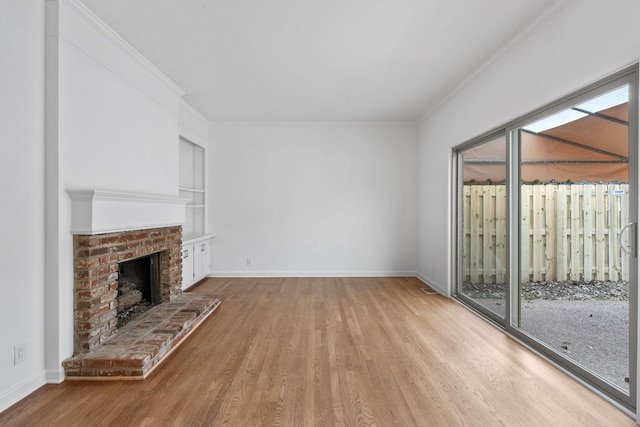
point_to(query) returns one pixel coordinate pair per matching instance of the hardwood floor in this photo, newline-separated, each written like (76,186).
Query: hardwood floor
(331,351)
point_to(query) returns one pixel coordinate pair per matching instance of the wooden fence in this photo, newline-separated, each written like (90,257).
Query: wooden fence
(568,232)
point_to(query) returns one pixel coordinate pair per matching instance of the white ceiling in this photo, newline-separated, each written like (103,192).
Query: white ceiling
(319,60)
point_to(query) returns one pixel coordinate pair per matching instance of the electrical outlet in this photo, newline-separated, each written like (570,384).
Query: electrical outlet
(19,353)
(249,262)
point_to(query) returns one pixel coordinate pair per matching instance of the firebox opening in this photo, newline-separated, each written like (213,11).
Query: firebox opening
(138,287)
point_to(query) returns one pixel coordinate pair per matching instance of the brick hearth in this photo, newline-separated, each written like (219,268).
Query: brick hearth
(101,349)
(142,343)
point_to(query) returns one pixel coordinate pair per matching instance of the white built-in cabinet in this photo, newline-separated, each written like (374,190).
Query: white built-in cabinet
(196,242)
(187,266)
(196,261)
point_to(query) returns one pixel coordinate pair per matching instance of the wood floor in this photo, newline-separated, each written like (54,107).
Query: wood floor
(325,352)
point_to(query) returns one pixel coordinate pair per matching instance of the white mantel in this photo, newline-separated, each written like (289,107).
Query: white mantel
(98,211)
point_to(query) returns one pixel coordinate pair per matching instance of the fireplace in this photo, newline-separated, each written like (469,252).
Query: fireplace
(131,241)
(138,287)
(98,266)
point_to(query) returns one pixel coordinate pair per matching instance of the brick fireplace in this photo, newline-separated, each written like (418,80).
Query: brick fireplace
(110,228)
(96,277)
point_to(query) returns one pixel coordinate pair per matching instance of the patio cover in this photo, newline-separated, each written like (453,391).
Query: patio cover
(592,148)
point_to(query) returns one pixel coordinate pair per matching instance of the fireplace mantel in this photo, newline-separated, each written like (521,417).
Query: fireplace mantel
(98,211)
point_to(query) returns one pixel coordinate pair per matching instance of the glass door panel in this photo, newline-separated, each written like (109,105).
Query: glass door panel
(482,226)
(577,238)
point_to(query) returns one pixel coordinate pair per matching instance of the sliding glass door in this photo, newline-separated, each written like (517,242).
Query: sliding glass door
(576,220)
(483,226)
(546,213)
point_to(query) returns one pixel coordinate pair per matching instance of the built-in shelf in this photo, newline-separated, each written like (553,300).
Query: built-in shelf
(192,186)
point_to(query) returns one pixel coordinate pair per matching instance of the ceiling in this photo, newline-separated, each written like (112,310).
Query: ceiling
(322,60)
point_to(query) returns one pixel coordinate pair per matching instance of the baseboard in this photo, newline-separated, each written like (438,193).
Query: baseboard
(55,376)
(271,274)
(433,284)
(21,390)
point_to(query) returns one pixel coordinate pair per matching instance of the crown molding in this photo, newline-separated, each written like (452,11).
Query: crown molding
(319,123)
(101,27)
(195,113)
(527,32)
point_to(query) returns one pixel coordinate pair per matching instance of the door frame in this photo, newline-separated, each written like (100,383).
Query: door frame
(628,76)
(459,221)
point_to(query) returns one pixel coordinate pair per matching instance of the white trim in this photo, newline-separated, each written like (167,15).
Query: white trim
(266,274)
(99,25)
(512,43)
(313,123)
(55,376)
(194,112)
(191,135)
(21,390)
(193,238)
(52,264)
(272,274)
(98,211)
(79,194)
(192,125)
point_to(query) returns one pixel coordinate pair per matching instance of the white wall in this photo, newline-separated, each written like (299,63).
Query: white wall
(311,199)
(22,193)
(118,119)
(110,121)
(585,42)
(193,126)
(116,129)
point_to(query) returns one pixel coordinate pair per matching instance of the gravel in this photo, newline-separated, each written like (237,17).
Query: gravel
(595,334)
(561,290)
(588,322)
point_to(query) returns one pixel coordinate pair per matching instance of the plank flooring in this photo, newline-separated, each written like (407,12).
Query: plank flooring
(331,352)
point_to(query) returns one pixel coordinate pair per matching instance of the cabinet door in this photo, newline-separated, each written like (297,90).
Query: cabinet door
(206,258)
(202,260)
(187,266)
